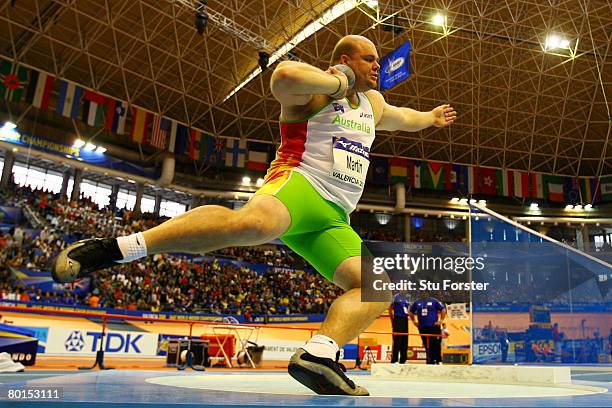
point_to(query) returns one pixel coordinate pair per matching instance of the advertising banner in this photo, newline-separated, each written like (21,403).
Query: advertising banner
(87,342)
(487,352)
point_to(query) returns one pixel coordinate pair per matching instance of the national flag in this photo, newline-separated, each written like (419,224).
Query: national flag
(116,115)
(39,90)
(605,186)
(487,181)
(380,170)
(258,156)
(521,184)
(182,139)
(211,147)
(94,106)
(415,173)
(235,154)
(434,175)
(13,81)
(215,149)
(140,125)
(589,191)
(553,188)
(398,170)
(505,182)
(196,151)
(572,190)
(69,99)
(459,178)
(160,131)
(536,185)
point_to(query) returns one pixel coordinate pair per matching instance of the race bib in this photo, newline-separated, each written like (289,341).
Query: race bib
(351,161)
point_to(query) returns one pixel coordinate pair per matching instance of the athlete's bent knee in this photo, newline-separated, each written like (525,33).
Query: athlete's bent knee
(255,229)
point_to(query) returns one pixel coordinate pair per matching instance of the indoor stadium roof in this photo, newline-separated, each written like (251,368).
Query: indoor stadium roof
(519,107)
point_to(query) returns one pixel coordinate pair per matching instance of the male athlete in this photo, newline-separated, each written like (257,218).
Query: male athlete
(327,131)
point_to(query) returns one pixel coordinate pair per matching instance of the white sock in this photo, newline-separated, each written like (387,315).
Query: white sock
(132,247)
(322,346)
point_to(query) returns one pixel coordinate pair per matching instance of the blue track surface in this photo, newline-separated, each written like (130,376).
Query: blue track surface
(129,388)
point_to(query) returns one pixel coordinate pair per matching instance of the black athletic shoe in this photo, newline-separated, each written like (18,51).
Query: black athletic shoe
(85,257)
(322,375)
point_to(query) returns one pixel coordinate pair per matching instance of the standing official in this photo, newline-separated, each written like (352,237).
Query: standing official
(428,314)
(399,321)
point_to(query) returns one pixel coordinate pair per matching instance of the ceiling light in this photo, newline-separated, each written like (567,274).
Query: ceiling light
(439,20)
(8,132)
(554,41)
(382,218)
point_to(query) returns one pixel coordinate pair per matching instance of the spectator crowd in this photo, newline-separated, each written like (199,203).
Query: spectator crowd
(164,282)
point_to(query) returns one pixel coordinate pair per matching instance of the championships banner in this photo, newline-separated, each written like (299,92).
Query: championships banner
(82,154)
(395,67)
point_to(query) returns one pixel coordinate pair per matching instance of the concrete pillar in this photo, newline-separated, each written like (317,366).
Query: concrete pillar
(158,200)
(582,238)
(7,170)
(407,227)
(400,197)
(113,197)
(76,188)
(65,180)
(139,194)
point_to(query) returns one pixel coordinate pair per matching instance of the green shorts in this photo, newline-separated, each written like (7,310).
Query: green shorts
(319,230)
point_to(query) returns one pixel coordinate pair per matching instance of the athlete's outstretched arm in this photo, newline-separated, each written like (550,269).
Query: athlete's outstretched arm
(395,118)
(294,83)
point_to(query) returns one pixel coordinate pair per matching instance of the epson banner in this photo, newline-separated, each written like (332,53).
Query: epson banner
(395,67)
(487,352)
(84,341)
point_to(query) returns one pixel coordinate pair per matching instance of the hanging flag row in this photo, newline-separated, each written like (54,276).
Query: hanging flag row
(37,88)
(18,83)
(433,175)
